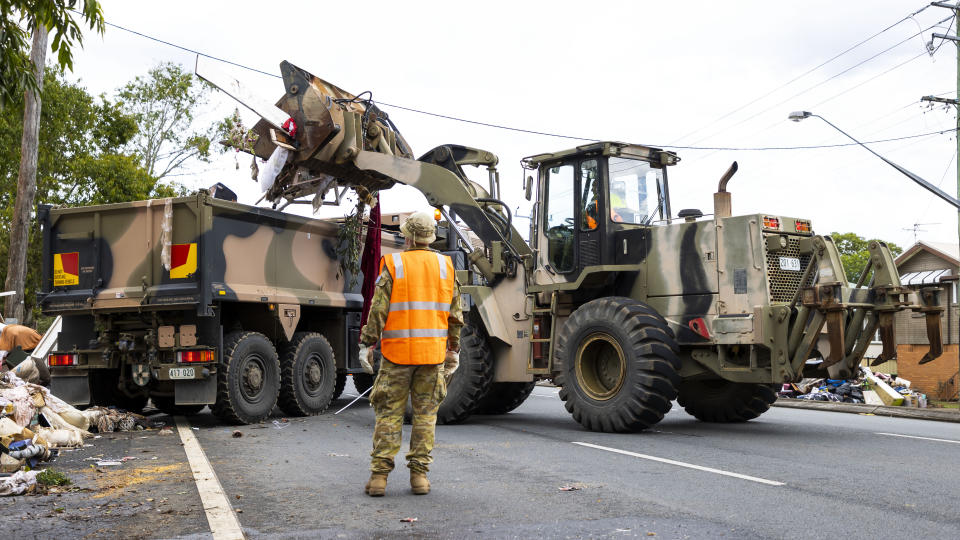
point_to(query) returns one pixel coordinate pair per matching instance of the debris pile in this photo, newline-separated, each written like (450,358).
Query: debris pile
(871,388)
(34,424)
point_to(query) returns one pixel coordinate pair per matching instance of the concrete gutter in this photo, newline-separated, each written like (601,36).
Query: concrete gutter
(940,415)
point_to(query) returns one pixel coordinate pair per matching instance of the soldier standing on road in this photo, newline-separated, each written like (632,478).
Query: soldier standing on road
(416,316)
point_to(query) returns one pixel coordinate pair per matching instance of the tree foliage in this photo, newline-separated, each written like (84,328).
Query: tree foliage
(854,254)
(81,161)
(163,104)
(17,20)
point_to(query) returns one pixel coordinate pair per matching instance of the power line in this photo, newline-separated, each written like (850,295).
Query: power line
(821,83)
(804,74)
(529,131)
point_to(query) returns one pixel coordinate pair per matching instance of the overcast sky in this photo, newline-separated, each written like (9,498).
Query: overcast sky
(667,74)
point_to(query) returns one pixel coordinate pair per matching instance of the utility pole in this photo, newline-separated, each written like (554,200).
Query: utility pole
(956,104)
(26,181)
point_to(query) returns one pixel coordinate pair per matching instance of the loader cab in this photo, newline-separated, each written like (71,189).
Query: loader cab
(595,203)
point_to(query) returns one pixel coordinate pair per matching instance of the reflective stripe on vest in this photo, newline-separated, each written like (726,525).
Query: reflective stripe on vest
(415,332)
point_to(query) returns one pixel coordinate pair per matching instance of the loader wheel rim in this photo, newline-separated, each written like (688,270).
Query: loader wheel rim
(600,366)
(313,374)
(252,382)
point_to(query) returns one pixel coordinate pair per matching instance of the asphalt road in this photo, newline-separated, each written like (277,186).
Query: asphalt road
(790,473)
(806,474)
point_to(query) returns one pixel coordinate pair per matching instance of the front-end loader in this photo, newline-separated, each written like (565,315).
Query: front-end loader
(624,304)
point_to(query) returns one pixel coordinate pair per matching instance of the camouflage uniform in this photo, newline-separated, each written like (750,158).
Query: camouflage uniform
(423,383)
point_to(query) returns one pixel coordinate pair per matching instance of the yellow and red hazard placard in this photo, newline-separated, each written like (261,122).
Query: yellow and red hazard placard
(66,269)
(183,260)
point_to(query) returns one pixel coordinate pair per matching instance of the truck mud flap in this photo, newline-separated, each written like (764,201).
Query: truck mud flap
(74,389)
(196,392)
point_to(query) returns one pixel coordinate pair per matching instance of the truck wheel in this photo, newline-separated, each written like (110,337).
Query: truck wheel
(309,375)
(166,405)
(504,397)
(104,392)
(362,382)
(339,385)
(717,400)
(618,365)
(472,380)
(248,378)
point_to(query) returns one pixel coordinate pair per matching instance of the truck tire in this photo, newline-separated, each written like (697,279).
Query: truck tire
(248,378)
(618,365)
(504,397)
(362,382)
(309,375)
(340,385)
(166,405)
(717,400)
(104,391)
(473,378)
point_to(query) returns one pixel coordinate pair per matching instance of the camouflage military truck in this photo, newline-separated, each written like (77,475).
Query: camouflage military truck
(624,304)
(198,301)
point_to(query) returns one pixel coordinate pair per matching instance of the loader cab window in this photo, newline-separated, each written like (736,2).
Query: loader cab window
(636,192)
(590,196)
(558,217)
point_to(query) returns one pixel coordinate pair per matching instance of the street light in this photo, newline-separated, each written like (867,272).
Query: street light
(797,116)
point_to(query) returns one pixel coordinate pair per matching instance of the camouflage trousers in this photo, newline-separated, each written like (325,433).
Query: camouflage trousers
(426,388)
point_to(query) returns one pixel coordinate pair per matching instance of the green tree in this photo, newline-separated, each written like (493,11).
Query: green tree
(854,254)
(81,161)
(163,104)
(18,18)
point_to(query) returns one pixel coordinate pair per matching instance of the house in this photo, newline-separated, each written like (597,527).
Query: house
(930,263)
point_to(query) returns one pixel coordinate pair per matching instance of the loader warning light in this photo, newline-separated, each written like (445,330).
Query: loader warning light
(190,357)
(58,360)
(803,226)
(771,223)
(436,214)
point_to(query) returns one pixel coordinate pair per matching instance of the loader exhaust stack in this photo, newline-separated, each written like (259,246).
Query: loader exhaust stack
(721,199)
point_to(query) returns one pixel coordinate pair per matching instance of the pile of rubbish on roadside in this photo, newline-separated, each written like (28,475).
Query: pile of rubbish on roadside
(34,424)
(870,388)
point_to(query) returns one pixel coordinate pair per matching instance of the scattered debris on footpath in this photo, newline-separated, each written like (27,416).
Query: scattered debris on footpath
(35,425)
(870,388)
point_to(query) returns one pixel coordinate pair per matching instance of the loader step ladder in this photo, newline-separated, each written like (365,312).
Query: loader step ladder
(542,329)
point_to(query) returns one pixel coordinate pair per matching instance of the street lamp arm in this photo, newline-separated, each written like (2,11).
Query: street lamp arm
(923,183)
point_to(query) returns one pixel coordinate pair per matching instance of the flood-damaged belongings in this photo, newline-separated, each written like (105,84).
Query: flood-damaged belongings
(21,447)
(871,388)
(18,483)
(16,341)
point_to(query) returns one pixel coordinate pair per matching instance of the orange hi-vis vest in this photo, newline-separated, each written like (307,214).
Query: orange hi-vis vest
(416,329)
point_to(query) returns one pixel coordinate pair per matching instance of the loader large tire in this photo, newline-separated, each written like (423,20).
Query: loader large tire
(618,365)
(308,375)
(473,378)
(717,400)
(248,378)
(504,397)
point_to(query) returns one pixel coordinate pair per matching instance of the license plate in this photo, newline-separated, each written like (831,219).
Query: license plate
(181,373)
(790,263)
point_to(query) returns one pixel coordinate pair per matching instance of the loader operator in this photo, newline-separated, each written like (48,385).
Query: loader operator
(416,316)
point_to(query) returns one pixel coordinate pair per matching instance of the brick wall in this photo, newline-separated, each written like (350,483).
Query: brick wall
(937,379)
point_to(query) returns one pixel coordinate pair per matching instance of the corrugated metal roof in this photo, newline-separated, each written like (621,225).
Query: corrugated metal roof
(928,277)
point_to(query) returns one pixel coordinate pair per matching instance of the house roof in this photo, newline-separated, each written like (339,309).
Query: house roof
(948,251)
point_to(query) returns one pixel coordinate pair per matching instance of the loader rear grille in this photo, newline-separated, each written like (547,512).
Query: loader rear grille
(785,283)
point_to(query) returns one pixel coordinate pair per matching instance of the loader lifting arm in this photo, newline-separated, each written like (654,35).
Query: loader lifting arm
(337,139)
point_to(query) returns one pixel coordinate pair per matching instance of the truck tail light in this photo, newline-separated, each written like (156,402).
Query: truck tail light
(195,356)
(59,360)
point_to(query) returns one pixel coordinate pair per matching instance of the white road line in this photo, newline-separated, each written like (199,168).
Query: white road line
(682,464)
(220,515)
(921,438)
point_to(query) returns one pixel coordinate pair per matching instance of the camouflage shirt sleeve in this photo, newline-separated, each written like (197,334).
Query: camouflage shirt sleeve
(379,306)
(455,319)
